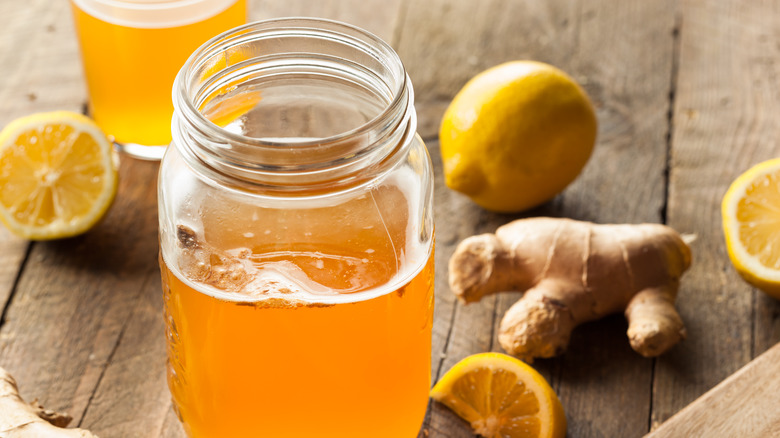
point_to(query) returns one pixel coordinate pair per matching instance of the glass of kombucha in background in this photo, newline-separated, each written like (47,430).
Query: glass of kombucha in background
(296,237)
(131,51)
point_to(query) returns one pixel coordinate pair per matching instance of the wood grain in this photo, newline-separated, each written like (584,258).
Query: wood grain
(81,324)
(744,405)
(724,122)
(624,50)
(376,16)
(443,44)
(75,298)
(39,60)
(40,72)
(12,256)
(451,342)
(132,397)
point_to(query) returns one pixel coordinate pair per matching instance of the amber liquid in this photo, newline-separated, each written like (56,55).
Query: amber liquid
(278,361)
(130,70)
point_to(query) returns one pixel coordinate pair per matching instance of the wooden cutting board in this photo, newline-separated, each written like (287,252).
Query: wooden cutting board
(745,405)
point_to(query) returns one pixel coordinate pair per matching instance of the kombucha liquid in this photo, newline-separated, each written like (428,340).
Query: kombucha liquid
(130,70)
(283,338)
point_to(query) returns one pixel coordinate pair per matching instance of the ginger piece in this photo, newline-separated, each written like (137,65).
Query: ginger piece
(19,419)
(573,272)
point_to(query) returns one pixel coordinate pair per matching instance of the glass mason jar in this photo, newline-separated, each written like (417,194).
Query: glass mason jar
(296,237)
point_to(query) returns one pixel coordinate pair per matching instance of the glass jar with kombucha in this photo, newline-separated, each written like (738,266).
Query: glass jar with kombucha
(131,51)
(296,237)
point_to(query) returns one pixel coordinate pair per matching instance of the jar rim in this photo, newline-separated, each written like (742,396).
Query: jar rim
(184,104)
(153,14)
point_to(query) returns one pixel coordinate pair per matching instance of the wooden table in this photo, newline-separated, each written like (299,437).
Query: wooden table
(688,97)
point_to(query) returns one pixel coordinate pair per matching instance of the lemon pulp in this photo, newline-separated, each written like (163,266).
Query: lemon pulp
(501,397)
(751,225)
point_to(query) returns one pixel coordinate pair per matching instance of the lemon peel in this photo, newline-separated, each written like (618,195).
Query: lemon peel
(516,135)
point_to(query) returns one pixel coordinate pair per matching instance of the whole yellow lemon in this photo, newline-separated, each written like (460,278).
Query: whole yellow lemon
(516,135)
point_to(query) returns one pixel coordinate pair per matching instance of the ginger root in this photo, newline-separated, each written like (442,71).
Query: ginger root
(19,419)
(573,272)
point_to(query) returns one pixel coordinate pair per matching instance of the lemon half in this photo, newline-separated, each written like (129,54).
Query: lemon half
(58,175)
(751,225)
(501,397)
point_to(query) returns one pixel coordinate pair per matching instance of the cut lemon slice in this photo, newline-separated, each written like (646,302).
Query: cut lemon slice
(501,397)
(751,224)
(58,175)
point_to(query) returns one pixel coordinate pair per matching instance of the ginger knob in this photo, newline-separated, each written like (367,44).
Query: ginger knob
(572,272)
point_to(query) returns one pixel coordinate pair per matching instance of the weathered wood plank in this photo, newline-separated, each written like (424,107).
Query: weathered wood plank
(443,44)
(12,252)
(75,296)
(75,299)
(456,219)
(744,405)
(724,121)
(39,63)
(39,74)
(766,329)
(620,51)
(376,16)
(132,397)
(622,54)
(625,51)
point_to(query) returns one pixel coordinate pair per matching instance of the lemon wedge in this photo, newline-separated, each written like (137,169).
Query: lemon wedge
(501,397)
(58,175)
(751,224)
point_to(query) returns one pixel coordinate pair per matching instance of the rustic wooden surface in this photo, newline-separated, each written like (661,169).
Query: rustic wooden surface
(687,97)
(736,407)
